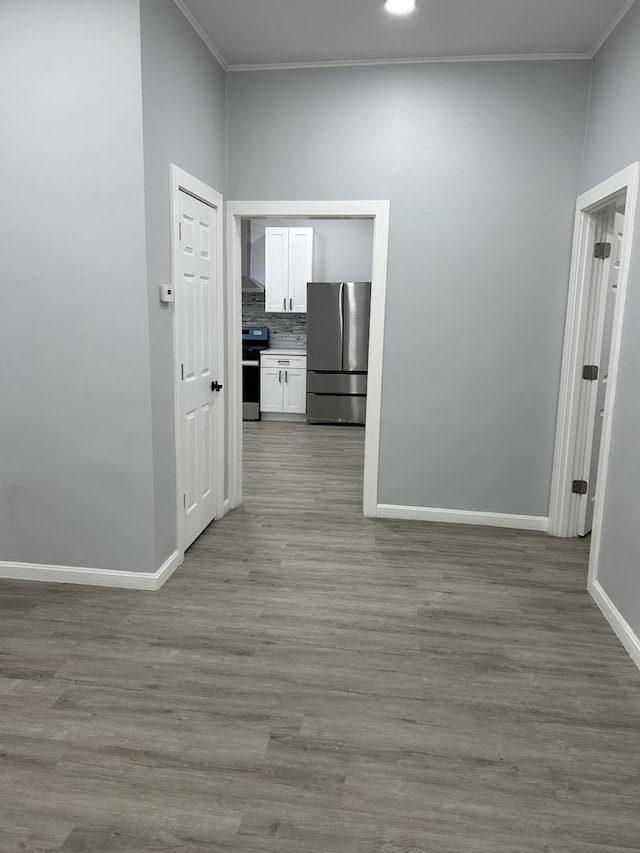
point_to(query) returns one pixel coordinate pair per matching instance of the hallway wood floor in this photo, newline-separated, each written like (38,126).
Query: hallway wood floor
(310,681)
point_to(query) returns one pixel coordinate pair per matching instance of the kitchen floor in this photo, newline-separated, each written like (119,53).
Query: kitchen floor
(310,681)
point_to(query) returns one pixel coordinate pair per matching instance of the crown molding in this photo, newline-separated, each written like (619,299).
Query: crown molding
(431,60)
(205,38)
(418,60)
(612,26)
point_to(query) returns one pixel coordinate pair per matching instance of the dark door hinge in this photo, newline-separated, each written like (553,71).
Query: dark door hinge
(590,372)
(579,487)
(602,250)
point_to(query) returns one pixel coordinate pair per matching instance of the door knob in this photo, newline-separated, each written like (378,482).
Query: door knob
(216,386)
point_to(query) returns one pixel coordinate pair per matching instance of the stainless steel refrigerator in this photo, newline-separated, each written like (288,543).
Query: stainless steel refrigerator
(337,351)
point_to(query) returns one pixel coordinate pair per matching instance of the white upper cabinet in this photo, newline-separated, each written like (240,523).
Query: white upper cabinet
(276,269)
(288,268)
(300,266)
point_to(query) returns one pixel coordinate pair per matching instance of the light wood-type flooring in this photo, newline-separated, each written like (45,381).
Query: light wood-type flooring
(310,681)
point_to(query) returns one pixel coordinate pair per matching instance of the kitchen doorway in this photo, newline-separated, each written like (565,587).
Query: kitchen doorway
(378,213)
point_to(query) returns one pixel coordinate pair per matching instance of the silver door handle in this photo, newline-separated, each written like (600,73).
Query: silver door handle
(279,376)
(290,304)
(284,304)
(286,376)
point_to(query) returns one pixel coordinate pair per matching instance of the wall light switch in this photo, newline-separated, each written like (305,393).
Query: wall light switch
(166,293)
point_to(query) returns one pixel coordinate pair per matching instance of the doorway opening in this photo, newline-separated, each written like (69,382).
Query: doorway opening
(602,246)
(278,314)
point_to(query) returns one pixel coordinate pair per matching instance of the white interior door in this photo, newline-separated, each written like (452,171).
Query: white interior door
(300,267)
(276,269)
(200,416)
(605,311)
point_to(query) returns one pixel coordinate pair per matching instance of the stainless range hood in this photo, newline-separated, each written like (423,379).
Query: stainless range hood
(249,285)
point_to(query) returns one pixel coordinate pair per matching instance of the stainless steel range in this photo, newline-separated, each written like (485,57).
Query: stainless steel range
(254,339)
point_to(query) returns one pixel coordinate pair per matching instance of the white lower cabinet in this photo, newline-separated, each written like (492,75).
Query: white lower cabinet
(283,385)
(295,391)
(271,390)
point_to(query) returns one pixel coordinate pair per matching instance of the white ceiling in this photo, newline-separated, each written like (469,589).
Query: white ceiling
(300,32)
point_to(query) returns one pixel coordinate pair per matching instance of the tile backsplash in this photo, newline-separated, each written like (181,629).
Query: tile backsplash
(285,330)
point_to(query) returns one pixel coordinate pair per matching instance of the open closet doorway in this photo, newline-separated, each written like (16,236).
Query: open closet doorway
(602,247)
(296,301)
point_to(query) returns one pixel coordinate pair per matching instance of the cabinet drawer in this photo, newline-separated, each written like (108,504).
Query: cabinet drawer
(283,361)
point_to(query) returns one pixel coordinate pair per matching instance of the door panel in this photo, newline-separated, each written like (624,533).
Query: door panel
(276,269)
(191,456)
(271,389)
(295,391)
(356,301)
(300,267)
(200,408)
(324,326)
(206,330)
(189,331)
(207,438)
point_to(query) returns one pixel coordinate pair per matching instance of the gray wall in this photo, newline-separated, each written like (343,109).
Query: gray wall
(613,142)
(183,90)
(342,248)
(76,480)
(480,163)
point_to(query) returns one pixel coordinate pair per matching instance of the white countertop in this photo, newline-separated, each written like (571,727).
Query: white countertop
(279,351)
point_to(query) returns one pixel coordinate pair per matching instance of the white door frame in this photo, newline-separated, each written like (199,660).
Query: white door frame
(183,181)
(378,211)
(562,510)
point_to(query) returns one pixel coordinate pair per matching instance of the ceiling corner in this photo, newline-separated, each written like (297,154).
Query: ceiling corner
(612,26)
(205,38)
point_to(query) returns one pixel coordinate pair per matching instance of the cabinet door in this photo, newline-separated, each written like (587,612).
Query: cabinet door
(271,389)
(276,269)
(295,391)
(300,267)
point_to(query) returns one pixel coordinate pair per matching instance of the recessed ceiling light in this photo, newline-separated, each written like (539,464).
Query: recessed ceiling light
(399,7)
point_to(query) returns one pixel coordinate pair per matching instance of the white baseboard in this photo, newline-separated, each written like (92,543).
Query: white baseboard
(92,577)
(226,506)
(463,516)
(621,627)
(169,566)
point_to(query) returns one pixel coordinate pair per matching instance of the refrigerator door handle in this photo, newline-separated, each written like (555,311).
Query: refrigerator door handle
(342,318)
